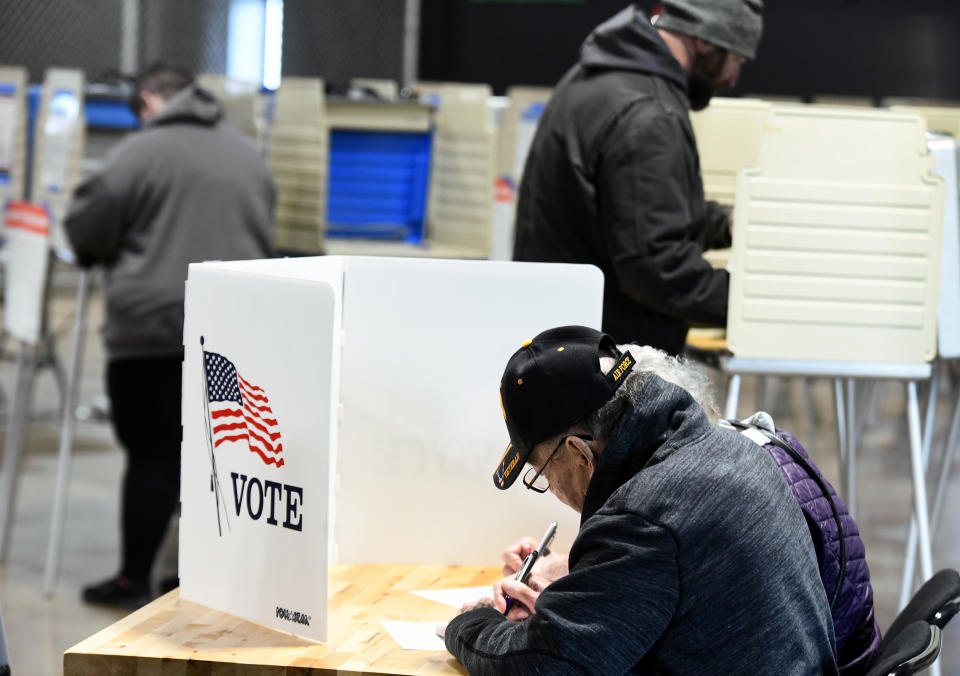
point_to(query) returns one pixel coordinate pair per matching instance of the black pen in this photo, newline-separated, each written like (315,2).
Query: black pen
(531,559)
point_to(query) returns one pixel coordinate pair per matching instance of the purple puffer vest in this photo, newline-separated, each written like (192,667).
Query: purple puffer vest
(855,627)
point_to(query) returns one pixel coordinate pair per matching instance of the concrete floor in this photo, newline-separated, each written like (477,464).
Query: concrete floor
(38,630)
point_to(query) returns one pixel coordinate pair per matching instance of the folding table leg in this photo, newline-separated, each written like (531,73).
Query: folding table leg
(920,519)
(762,383)
(851,472)
(841,429)
(67,431)
(948,453)
(906,584)
(13,444)
(809,415)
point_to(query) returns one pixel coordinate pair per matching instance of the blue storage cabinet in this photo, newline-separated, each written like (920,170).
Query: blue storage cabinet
(378,184)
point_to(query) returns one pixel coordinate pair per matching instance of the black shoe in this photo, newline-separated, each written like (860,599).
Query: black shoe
(168,583)
(119,591)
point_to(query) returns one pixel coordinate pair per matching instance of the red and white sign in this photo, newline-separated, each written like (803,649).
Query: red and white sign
(25,258)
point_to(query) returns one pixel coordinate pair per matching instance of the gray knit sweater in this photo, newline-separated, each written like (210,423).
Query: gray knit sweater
(692,558)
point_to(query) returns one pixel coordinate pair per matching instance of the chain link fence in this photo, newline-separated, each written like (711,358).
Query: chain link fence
(332,39)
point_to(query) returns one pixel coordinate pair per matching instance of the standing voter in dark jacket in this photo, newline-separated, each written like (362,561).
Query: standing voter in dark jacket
(613,175)
(186,188)
(693,556)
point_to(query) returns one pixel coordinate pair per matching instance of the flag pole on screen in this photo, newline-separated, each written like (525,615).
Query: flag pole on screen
(214,479)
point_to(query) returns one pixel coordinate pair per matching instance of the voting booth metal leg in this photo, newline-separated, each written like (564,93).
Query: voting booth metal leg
(919,523)
(907,582)
(866,405)
(931,414)
(809,413)
(733,397)
(13,442)
(838,400)
(49,358)
(948,453)
(762,393)
(851,444)
(67,433)
(4,654)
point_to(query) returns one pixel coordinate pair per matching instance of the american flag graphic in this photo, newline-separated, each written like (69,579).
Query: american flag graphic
(240,411)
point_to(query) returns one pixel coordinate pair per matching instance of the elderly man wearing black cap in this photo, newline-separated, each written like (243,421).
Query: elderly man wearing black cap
(613,174)
(692,556)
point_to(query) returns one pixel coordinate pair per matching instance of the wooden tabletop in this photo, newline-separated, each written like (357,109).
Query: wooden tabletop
(172,636)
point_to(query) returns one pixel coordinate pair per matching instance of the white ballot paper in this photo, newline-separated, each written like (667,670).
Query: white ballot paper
(415,635)
(456,598)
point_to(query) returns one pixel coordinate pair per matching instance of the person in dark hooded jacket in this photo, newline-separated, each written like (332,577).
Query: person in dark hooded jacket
(613,174)
(184,189)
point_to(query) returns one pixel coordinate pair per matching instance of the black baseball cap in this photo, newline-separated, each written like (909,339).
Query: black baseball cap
(549,384)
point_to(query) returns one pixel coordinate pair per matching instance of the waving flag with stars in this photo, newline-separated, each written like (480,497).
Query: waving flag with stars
(240,411)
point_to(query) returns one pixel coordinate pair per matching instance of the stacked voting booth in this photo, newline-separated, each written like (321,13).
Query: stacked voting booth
(13,132)
(346,409)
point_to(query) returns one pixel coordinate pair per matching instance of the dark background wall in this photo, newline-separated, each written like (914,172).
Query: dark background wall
(871,48)
(40,34)
(192,33)
(332,39)
(340,39)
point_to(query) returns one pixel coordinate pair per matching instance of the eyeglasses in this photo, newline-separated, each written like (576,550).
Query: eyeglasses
(534,479)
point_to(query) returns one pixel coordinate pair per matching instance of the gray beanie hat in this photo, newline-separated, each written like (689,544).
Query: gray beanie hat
(734,25)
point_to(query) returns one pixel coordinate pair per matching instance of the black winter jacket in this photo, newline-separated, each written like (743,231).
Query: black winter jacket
(613,179)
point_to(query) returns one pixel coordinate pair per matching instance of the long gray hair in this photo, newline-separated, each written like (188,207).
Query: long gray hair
(648,359)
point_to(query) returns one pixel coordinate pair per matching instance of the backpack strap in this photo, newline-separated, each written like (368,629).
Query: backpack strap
(762,437)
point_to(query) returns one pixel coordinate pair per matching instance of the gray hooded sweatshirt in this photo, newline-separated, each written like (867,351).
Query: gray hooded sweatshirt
(187,188)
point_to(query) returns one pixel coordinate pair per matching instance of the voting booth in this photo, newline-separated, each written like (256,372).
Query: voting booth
(342,409)
(13,132)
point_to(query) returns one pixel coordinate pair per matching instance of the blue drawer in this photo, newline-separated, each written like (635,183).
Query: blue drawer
(378,184)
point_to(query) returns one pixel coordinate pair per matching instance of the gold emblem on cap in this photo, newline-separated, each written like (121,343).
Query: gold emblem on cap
(519,381)
(561,349)
(525,343)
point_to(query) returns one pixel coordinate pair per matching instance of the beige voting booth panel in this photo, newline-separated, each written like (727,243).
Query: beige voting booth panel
(13,132)
(516,133)
(298,156)
(941,118)
(728,135)
(945,151)
(460,205)
(386,89)
(59,138)
(843,101)
(836,254)
(240,101)
(362,421)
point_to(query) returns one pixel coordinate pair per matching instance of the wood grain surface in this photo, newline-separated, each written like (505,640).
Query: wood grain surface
(172,636)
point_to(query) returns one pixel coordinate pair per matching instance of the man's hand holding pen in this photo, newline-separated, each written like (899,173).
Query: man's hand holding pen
(524,595)
(551,566)
(529,568)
